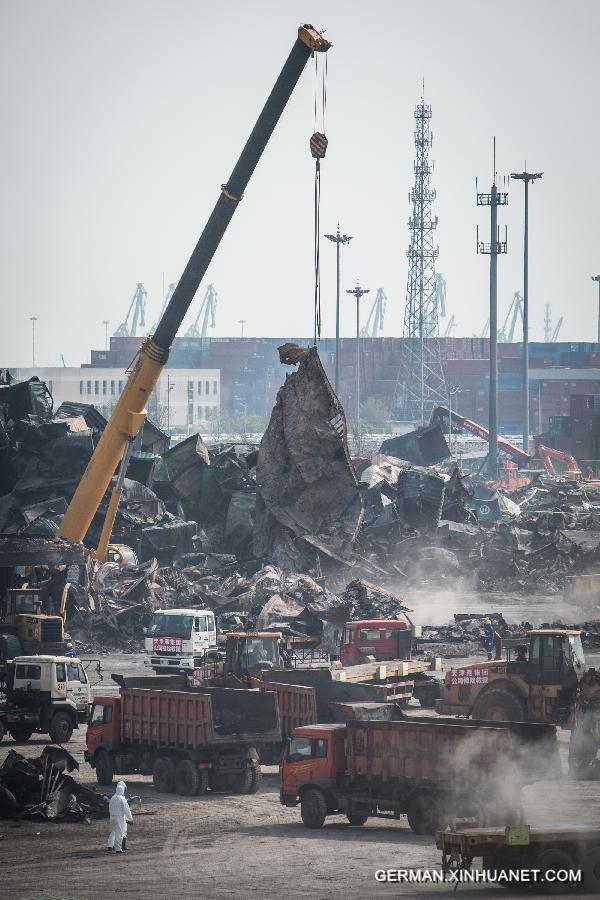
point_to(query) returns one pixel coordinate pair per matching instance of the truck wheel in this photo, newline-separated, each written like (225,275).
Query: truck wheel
(105,767)
(255,780)
(242,783)
(163,775)
(500,705)
(313,808)
(10,646)
(187,778)
(20,733)
(554,859)
(356,819)
(61,728)
(423,814)
(591,870)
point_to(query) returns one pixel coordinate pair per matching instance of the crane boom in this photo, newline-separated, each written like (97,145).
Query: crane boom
(556,331)
(441,413)
(130,411)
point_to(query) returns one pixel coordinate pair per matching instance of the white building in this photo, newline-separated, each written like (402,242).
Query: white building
(184,399)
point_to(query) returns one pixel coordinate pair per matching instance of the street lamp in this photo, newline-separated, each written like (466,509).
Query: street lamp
(169,389)
(452,390)
(526,177)
(33,320)
(597,278)
(358,292)
(338,239)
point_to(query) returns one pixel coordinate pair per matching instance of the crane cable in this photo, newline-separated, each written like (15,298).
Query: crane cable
(318,148)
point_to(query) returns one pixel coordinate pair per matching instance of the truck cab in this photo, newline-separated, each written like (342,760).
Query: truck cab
(46,694)
(177,639)
(315,757)
(381,638)
(536,680)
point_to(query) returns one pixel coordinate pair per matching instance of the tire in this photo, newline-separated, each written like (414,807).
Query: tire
(61,728)
(20,733)
(2,731)
(163,775)
(10,646)
(105,767)
(591,871)
(553,858)
(423,814)
(500,705)
(242,783)
(313,808)
(187,778)
(255,781)
(356,819)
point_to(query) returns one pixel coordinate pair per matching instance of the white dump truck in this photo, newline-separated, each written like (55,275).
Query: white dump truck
(180,640)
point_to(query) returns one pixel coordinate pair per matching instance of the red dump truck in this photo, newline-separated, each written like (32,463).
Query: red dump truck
(433,770)
(190,739)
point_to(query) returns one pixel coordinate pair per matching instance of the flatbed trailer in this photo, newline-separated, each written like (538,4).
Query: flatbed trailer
(544,853)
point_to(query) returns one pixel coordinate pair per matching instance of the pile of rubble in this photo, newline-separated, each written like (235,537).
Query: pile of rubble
(40,788)
(292,533)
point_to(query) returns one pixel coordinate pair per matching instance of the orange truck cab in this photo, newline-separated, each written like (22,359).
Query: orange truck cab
(381,638)
(104,729)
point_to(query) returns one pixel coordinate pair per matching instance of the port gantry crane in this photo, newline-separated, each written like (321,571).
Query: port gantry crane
(376,318)
(207,311)
(137,312)
(116,442)
(515,310)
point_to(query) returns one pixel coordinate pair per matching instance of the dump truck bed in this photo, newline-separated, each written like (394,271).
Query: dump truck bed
(427,748)
(194,719)
(297,704)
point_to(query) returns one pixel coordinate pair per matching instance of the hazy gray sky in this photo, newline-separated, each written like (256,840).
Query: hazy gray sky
(121,120)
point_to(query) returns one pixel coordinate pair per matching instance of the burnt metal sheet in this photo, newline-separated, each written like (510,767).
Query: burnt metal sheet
(424,447)
(306,485)
(30,550)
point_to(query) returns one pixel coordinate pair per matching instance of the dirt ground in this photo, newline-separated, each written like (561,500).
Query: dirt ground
(237,846)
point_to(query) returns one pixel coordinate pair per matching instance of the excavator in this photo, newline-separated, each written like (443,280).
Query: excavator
(441,414)
(23,620)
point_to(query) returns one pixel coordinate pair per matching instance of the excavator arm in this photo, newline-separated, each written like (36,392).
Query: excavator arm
(130,410)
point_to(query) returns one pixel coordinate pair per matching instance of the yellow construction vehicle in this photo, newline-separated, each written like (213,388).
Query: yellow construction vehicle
(25,629)
(538,680)
(115,445)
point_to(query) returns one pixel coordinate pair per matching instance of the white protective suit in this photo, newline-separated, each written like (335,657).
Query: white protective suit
(120,815)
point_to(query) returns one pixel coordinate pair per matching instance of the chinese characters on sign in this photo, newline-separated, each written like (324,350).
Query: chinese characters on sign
(167,644)
(469,676)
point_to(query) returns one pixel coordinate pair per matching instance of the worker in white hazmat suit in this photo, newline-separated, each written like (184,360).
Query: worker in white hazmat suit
(120,815)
